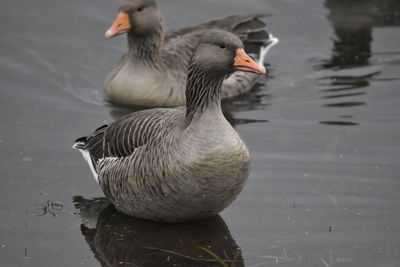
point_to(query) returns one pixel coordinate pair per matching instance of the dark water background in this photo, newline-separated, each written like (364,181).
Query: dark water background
(324,132)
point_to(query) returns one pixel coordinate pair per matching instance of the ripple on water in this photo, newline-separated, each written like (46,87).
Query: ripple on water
(344,78)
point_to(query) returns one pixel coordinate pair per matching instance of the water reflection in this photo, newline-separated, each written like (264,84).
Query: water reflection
(341,123)
(118,240)
(353,22)
(349,70)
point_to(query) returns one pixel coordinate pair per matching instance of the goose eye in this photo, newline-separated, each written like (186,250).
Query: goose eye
(222,46)
(139,9)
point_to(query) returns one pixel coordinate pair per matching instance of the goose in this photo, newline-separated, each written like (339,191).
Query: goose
(153,71)
(183,163)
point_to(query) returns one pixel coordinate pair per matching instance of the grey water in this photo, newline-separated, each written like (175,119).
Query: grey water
(323,130)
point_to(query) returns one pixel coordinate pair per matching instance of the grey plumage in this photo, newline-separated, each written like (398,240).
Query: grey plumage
(175,164)
(153,72)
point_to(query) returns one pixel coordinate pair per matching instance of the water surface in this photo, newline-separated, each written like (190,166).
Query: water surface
(323,131)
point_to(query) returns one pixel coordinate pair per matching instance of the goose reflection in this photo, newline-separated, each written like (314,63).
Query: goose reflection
(349,70)
(353,23)
(119,240)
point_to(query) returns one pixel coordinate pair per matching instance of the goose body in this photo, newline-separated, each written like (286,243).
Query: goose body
(153,72)
(177,164)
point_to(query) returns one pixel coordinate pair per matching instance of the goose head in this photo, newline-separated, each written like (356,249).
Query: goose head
(139,17)
(221,53)
(218,54)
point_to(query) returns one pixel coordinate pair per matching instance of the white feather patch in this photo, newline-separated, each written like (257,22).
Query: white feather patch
(264,49)
(87,157)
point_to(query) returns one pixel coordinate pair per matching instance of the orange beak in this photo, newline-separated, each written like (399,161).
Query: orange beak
(120,26)
(244,63)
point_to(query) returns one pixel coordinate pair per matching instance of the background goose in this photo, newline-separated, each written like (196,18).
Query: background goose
(177,164)
(153,72)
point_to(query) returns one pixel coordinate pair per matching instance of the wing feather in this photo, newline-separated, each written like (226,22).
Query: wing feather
(180,43)
(120,138)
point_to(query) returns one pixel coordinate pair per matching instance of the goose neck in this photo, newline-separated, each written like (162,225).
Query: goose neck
(203,92)
(146,48)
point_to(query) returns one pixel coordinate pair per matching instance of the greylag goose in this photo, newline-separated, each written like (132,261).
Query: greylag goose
(177,164)
(153,72)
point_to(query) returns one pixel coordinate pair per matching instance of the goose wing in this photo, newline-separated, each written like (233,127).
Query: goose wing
(122,137)
(179,45)
(250,28)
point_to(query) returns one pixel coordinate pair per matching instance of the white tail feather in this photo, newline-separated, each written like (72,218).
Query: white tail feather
(87,157)
(264,49)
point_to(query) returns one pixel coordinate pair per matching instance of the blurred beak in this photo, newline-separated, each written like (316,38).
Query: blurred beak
(120,26)
(244,63)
